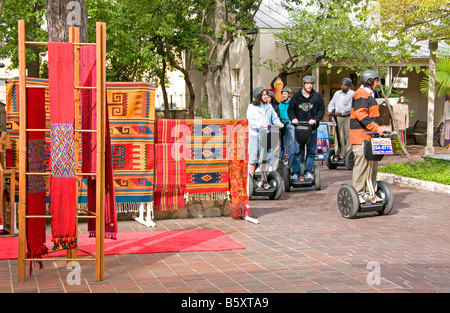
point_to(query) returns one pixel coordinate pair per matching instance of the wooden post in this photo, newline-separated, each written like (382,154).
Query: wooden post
(101,135)
(74,37)
(100,181)
(22,150)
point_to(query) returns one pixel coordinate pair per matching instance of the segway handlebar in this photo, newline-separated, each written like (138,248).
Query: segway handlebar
(388,133)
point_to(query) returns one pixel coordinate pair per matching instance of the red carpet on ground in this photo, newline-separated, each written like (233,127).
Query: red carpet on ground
(141,242)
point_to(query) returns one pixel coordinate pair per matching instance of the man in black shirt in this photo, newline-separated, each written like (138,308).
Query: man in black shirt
(306,105)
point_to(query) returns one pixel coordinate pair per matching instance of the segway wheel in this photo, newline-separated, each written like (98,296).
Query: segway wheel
(349,160)
(384,192)
(347,200)
(328,159)
(250,186)
(316,177)
(274,179)
(287,178)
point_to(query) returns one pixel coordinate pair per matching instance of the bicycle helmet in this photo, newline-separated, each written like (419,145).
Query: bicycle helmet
(257,91)
(346,81)
(368,77)
(286,89)
(308,79)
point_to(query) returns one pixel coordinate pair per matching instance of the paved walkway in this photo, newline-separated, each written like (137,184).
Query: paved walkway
(302,244)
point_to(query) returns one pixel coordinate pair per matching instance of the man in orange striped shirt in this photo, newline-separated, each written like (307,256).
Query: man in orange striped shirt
(364,117)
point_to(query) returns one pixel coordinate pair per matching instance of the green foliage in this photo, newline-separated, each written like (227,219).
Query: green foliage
(442,78)
(430,170)
(33,13)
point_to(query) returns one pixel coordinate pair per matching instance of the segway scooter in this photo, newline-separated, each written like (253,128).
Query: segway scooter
(380,200)
(302,135)
(266,183)
(332,159)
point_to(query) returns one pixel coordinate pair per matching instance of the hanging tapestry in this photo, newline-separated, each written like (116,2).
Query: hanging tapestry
(170,163)
(89,146)
(62,182)
(131,109)
(12,125)
(238,146)
(36,197)
(207,180)
(207,167)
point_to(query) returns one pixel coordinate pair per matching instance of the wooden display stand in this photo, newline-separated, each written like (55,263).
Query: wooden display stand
(101,135)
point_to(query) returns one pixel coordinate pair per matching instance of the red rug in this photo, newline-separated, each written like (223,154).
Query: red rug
(141,242)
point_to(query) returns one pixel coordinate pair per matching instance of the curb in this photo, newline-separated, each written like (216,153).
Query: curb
(414,183)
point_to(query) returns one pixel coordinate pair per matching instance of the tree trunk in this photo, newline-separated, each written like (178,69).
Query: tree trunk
(61,15)
(164,91)
(429,149)
(225,89)
(213,103)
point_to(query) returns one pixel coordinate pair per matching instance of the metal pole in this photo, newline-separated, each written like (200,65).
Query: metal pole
(250,53)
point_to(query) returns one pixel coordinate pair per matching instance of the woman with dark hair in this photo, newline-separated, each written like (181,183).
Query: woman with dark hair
(260,115)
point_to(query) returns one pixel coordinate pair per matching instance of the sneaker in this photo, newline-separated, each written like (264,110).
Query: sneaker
(294,176)
(309,176)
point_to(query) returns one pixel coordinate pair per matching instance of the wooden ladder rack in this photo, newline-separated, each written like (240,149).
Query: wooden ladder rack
(101,135)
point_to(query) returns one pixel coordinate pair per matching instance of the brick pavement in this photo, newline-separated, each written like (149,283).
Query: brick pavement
(302,244)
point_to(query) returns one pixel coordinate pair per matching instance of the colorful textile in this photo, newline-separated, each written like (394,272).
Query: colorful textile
(12,125)
(238,147)
(62,117)
(131,109)
(207,164)
(210,179)
(170,167)
(89,146)
(208,139)
(36,198)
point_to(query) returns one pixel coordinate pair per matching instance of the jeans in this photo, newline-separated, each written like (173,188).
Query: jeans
(288,141)
(310,155)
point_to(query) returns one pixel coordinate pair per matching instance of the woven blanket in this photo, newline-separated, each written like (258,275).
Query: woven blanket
(237,140)
(170,165)
(88,76)
(208,139)
(62,117)
(35,227)
(12,126)
(131,109)
(207,167)
(207,180)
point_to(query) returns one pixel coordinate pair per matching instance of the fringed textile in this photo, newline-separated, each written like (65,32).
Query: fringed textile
(207,166)
(238,149)
(63,181)
(170,165)
(36,197)
(207,179)
(131,109)
(89,146)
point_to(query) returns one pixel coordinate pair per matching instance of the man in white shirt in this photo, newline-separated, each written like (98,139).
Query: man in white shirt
(342,105)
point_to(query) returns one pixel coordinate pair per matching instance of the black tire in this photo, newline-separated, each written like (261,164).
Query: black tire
(329,156)
(316,177)
(347,201)
(384,192)
(250,186)
(287,178)
(349,160)
(274,179)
